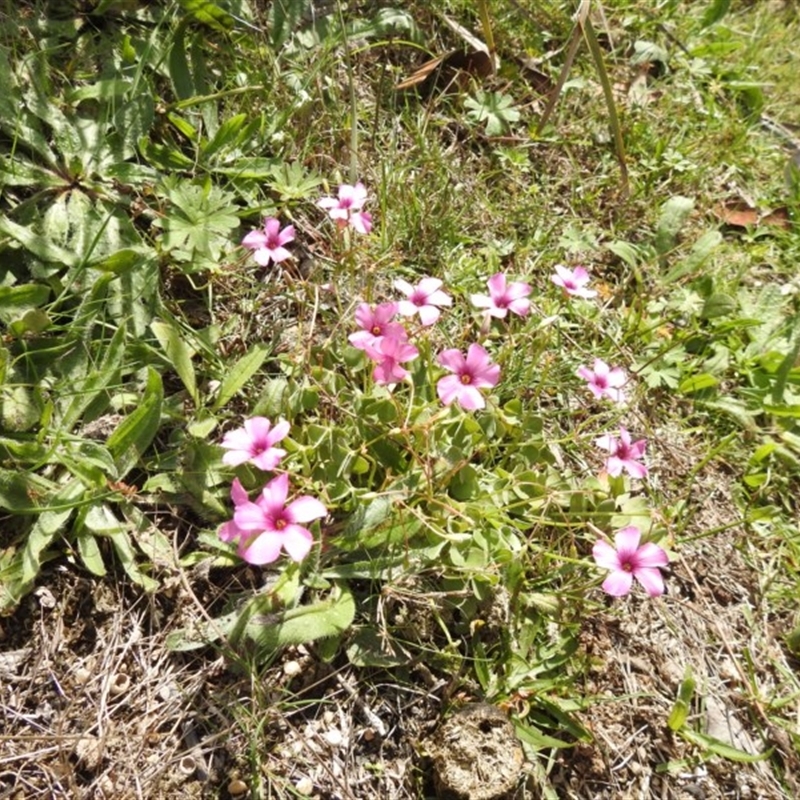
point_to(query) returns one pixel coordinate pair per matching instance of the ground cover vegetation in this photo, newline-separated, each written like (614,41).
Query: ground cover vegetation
(384,413)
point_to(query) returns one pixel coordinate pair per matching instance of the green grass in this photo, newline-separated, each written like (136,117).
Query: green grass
(138,145)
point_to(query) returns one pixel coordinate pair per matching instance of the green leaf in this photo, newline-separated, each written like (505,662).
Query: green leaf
(721,748)
(701,251)
(227,132)
(42,247)
(680,711)
(494,109)
(718,305)
(304,624)
(208,13)
(674,214)
(19,489)
(239,374)
(696,383)
(536,739)
(178,353)
(49,523)
(97,381)
(89,551)
(132,437)
(716,10)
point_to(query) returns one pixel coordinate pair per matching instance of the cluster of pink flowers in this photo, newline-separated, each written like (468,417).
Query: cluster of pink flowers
(269,243)
(387,343)
(269,524)
(627,559)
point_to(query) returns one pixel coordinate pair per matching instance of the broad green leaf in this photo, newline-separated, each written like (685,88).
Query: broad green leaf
(227,132)
(788,411)
(121,541)
(49,522)
(21,492)
(696,383)
(208,13)
(715,11)
(368,516)
(39,245)
(89,551)
(178,353)
(133,436)
(239,374)
(674,214)
(303,624)
(718,305)
(20,408)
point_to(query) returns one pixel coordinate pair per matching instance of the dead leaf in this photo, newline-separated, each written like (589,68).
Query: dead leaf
(443,72)
(740,214)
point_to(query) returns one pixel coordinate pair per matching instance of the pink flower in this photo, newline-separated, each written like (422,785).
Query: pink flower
(376,324)
(269,244)
(474,372)
(229,532)
(254,443)
(502,298)
(604,381)
(625,454)
(389,353)
(422,299)
(269,524)
(630,561)
(346,210)
(573,281)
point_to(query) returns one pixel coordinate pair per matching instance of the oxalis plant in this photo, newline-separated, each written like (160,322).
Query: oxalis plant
(405,461)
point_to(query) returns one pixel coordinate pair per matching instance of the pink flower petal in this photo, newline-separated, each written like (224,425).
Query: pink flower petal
(273,495)
(605,555)
(470,398)
(651,555)
(651,579)
(262,549)
(452,359)
(448,388)
(297,541)
(304,509)
(250,518)
(428,315)
(618,583)
(627,542)
(269,459)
